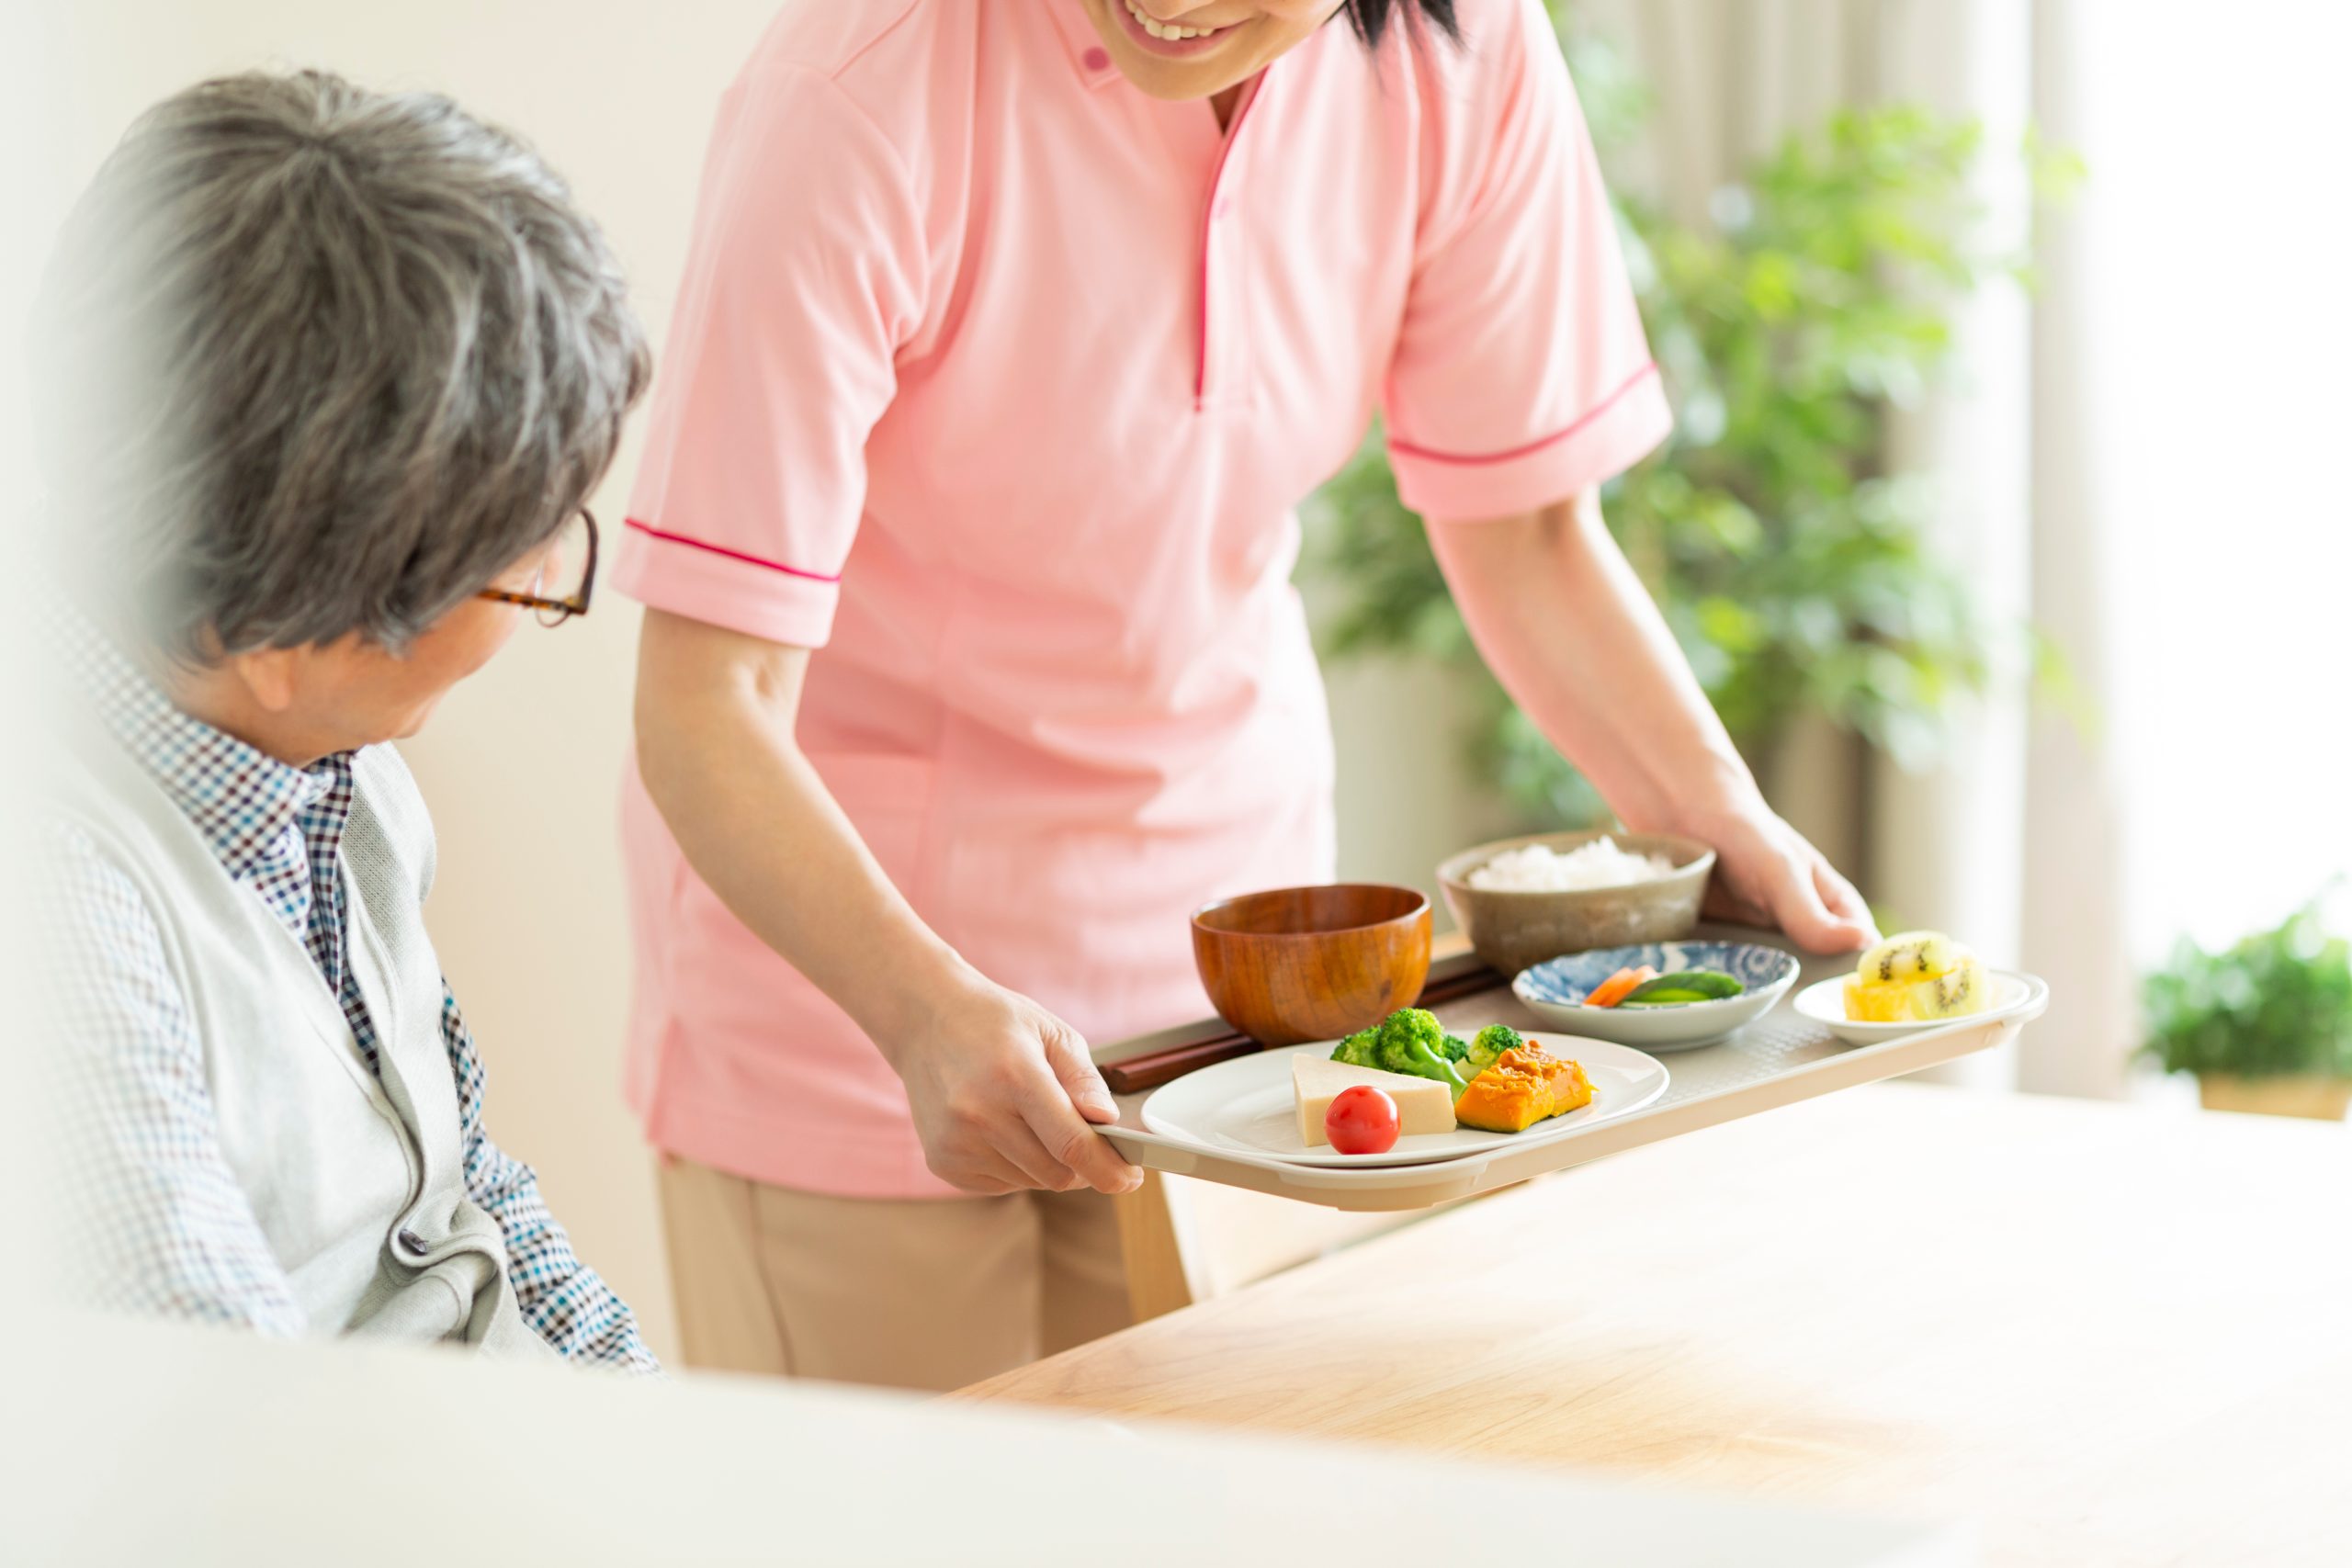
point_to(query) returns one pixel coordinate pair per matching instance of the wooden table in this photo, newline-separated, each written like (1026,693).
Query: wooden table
(2106,1334)
(125,1441)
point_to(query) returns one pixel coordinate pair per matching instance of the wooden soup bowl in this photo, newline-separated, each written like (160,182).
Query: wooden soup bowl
(1300,964)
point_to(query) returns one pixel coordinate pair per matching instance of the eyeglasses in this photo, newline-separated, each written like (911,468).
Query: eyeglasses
(566,578)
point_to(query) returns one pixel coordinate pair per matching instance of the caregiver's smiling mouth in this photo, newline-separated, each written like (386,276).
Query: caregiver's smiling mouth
(1170,40)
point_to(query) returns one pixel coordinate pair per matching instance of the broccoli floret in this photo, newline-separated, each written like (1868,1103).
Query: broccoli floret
(1356,1050)
(1411,1041)
(1456,1048)
(1404,1035)
(1491,1042)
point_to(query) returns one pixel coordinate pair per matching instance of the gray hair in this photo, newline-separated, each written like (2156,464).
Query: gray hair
(321,361)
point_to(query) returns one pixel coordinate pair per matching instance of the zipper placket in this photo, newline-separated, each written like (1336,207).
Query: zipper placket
(1208,235)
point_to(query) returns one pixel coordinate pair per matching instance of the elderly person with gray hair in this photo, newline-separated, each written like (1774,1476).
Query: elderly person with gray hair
(329,375)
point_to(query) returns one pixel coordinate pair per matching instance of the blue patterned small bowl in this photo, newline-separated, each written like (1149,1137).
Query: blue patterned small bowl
(1555,991)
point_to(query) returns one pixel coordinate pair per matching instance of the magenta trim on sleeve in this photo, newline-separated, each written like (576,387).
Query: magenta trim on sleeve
(1602,407)
(652,532)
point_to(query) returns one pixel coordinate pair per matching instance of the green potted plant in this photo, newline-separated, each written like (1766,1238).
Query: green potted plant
(2265,1026)
(1791,560)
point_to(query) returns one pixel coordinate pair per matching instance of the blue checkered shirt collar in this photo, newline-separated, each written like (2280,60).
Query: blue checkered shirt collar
(240,799)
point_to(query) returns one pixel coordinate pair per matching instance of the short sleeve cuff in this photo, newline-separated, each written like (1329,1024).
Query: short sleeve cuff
(1602,443)
(666,570)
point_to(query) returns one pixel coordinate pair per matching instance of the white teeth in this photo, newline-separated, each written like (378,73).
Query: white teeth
(1165,31)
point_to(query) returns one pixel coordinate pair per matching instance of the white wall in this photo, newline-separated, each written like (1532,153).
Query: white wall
(26,188)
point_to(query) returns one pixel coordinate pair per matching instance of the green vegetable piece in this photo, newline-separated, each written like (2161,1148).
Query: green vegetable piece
(1702,986)
(1356,1050)
(1456,1048)
(1412,1041)
(1491,1042)
(1666,999)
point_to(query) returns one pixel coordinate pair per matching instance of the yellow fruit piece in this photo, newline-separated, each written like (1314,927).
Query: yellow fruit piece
(1954,994)
(1910,955)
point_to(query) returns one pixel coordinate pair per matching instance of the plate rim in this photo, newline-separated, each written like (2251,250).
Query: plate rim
(1865,1030)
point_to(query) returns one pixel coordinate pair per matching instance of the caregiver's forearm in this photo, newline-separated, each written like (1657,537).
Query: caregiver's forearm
(714,715)
(1002,1094)
(1568,628)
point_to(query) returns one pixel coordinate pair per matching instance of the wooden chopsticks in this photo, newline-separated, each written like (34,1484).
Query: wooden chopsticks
(1164,1065)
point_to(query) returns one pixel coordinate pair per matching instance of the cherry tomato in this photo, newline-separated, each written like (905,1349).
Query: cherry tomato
(1361,1120)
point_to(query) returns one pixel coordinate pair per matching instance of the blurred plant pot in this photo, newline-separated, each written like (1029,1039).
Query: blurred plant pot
(2299,1094)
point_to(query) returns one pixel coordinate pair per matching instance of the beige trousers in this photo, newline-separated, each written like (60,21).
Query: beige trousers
(912,1293)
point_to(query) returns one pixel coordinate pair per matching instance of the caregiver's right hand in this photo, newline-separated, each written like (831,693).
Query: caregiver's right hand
(1005,1097)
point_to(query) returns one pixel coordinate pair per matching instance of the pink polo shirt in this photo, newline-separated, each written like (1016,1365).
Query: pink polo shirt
(998,380)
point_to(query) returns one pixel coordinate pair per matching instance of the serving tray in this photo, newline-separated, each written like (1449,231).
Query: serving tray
(1778,1060)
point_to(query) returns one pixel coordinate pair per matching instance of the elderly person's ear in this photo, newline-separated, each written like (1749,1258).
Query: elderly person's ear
(270,676)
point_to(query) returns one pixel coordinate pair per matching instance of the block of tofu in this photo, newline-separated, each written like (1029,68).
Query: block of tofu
(1423,1105)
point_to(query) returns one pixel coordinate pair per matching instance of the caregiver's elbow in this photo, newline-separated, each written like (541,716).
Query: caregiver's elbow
(706,696)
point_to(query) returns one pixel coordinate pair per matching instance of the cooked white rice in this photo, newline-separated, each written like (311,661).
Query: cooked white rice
(1540,868)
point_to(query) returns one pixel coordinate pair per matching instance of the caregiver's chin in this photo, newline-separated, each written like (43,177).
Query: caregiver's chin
(1243,37)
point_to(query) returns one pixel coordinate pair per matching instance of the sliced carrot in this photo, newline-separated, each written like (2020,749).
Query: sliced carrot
(1618,987)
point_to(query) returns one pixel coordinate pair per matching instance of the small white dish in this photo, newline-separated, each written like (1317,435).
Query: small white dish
(1246,1106)
(1554,992)
(1824,1003)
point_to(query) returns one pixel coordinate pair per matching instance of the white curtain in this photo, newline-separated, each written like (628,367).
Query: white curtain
(2073,931)
(2192,406)
(2010,841)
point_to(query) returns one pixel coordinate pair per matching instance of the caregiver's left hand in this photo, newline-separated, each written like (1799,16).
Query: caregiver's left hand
(1768,873)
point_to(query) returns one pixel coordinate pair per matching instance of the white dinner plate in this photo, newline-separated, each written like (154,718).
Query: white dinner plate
(1824,1003)
(1246,1106)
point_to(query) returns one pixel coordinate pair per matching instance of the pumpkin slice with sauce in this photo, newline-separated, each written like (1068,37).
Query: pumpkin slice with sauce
(1526,1085)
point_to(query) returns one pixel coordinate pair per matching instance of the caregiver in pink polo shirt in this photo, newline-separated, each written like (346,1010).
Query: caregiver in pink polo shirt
(1013,333)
